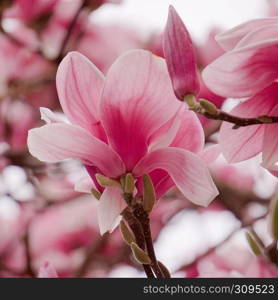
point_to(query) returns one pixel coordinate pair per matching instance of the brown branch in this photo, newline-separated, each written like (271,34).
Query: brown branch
(241,122)
(210,111)
(143,217)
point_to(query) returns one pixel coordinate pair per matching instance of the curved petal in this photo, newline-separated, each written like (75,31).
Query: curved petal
(211,153)
(190,135)
(110,205)
(49,116)
(230,38)
(79,85)
(262,34)
(245,71)
(58,141)
(245,142)
(270,145)
(186,169)
(165,135)
(84,185)
(137,100)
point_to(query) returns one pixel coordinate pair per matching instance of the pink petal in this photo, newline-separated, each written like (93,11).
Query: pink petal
(165,135)
(79,85)
(230,38)
(245,71)
(137,100)
(110,206)
(49,117)
(162,182)
(190,135)
(262,34)
(180,56)
(47,270)
(245,142)
(270,145)
(186,169)
(84,185)
(211,153)
(58,141)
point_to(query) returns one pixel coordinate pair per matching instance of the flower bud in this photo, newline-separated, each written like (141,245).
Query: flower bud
(128,236)
(106,181)
(180,56)
(140,255)
(129,184)
(148,193)
(253,243)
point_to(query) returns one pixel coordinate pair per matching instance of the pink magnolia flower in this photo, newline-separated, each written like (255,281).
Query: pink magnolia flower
(180,56)
(129,121)
(250,63)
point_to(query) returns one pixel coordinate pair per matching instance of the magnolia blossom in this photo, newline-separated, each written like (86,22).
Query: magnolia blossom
(248,69)
(129,121)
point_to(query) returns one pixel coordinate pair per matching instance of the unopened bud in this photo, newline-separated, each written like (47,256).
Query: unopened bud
(96,193)
(148,193)
(190,100)
(274,217)
(106,181)
(128,236)
(209,107)
(253,243)
(140,255)
(129,184)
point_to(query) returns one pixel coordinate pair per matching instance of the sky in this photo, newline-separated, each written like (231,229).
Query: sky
(198,15)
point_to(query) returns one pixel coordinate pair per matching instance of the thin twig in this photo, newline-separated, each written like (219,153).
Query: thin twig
(143,218)
(210,111)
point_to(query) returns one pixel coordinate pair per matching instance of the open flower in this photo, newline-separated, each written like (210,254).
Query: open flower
(249,69)
(250,63)
(130,122)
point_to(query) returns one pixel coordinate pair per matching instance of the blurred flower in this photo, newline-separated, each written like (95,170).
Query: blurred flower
(251,51)
(47,271)
(13,132)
